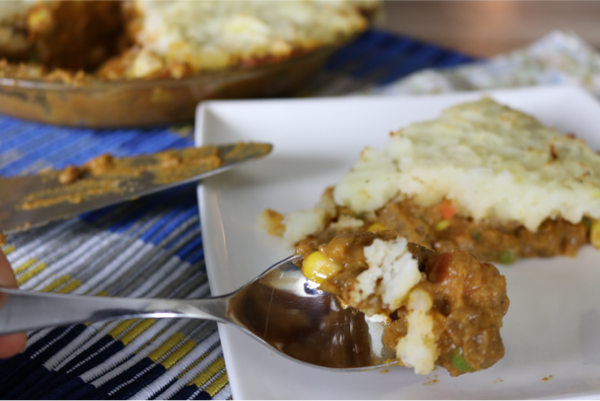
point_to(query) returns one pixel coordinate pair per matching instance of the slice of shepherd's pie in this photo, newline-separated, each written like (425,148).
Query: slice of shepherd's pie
(483,177)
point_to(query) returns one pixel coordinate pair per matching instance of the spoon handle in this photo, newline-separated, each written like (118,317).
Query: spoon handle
(29,310)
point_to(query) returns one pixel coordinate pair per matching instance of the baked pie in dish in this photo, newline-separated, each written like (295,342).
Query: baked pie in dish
(145,62)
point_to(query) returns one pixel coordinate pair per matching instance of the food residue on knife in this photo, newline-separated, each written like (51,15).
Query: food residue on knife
(107,174)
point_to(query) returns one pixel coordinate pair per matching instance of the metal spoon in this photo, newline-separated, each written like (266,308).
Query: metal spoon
(280,308)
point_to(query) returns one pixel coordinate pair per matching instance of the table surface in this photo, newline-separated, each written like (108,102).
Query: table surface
(153,246)
(488,28)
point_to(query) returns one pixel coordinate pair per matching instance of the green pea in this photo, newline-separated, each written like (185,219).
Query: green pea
(507,257)
(476,236)
(587,222)
(459,361)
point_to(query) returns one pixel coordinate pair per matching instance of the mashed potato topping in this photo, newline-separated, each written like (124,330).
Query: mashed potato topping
(211,35)
(492,161)
(392,273)
(418,349)
(370,184)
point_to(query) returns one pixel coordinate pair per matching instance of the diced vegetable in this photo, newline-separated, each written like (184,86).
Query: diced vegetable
(376,227)
(587,222)
(475,235)
(447,209)
(318,267)
(507,257)
(459,361)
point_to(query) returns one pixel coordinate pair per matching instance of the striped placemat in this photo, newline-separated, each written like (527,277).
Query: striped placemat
(151,247)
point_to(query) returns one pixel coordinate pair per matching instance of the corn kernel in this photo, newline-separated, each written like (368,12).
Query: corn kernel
(318,267)
(376,227)
(441,225)
(595,234)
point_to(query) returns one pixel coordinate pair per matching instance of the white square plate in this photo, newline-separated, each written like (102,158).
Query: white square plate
(552,329)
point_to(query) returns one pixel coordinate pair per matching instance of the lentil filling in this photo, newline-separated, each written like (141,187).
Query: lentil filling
(469,298)
(441,228)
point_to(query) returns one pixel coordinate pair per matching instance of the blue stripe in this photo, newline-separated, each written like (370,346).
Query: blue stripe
(23,366)
(184,393)
(366,43)
(454,59)
(178,238)
(139,209)
(99,358)
(392,51)
(196,257)
(19,361)
(202,395)
(93,355)
(129,147)
(171,220)
(152,143)
(95,146)
(187,213)
(27,388)
(50,150)
(423,57)
(191,247)
(132,388)
(92,217)
(35,149)
(11,127)
(63,392)
(15,393)
(24,135)
(129,374)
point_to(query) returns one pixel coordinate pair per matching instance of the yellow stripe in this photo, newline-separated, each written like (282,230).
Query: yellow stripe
(57,283)
(25,266)
(211,371)
(162,350)
(72,286)
(193,364)
(102,294)
(31,273)
(121,327)
(216,386)
(178,354)
(137,330)
(8,249)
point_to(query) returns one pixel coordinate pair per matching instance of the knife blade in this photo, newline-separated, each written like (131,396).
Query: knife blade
(52,195)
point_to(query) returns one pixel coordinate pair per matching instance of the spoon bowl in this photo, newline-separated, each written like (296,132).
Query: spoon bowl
(280,308)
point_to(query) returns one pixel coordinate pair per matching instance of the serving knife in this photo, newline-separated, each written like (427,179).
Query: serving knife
(34,200)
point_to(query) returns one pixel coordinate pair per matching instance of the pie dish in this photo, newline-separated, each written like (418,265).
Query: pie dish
(84,62)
